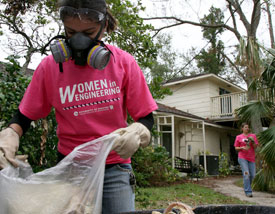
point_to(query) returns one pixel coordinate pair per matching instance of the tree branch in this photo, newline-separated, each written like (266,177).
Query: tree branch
(255,18)
(234,65)
(12,24)
(180,22)
(238,9)
(232,15)
(270,25)
(165,27)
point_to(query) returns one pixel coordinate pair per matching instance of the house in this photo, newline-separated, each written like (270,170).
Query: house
(197,121)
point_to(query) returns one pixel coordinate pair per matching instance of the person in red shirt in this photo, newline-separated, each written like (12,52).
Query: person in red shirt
(245,144)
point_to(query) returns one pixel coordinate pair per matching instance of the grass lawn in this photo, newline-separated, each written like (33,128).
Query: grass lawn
(188,193)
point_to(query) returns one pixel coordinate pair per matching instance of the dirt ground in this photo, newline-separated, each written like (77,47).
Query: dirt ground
(226,186)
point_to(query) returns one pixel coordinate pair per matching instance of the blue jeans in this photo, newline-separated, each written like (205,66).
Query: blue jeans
(118,189)
(249,171)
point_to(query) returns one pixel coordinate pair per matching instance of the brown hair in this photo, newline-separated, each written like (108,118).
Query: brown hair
(244,124)
(111,21)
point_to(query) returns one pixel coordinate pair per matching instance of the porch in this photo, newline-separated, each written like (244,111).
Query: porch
(224,106)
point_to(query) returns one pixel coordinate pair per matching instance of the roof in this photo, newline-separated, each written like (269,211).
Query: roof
(171,110)
(201,76)
(183,78)
(167,109)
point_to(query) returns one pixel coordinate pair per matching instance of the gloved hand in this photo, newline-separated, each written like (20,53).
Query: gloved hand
(9,143)
(131,138)
(4,163)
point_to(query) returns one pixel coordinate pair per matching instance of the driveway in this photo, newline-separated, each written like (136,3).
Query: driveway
(226,186)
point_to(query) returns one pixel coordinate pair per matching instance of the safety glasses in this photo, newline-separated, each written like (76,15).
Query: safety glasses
(84,14)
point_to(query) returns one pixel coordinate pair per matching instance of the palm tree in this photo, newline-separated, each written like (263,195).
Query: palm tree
(264,108)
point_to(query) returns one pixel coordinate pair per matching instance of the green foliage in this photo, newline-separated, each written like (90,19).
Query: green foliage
(212,60)
(12,87)
(157,91)
(132,34)
(142,198)
(261,109)
(152,167)
(264,108)
(165,66)
(264,179)
(215,17)
(224,164)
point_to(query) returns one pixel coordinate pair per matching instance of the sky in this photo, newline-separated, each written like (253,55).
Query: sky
(186,36)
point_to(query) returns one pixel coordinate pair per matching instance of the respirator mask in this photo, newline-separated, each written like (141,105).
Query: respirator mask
(80,47)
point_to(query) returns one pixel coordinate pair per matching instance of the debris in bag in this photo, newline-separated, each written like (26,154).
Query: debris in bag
(183,209)
(74,185)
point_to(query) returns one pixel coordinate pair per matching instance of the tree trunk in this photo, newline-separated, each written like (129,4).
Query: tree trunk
(256,124)
(27,62)
(270,25)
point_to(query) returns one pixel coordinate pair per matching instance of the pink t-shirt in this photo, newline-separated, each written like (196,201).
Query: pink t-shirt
(89,103)
(240,142)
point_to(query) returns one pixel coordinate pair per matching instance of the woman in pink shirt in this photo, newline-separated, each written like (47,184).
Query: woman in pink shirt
(246,144)
(92,86)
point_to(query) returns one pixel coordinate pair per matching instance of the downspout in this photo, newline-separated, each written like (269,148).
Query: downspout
(173,141)
(204,147)
(158,127)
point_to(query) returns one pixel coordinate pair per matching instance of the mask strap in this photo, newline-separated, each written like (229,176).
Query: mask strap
(55,37)
(60,67)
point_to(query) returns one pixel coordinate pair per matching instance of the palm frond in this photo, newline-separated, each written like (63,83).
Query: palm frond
(265,176)
(267,151)
(257,108)
(264,179)
(267,145)
(254,85)
(267,135)
(268,75)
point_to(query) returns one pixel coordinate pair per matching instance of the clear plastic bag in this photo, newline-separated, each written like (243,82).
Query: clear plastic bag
(74,185)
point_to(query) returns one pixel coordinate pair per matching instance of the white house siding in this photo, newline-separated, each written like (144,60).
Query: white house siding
(189,134)
(192,97)
(215,85)
(214,89)
(193,139)
(213,140)
(180,142)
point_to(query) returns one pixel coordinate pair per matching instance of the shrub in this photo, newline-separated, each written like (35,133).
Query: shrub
(224,169)
(152,167)
(12,87)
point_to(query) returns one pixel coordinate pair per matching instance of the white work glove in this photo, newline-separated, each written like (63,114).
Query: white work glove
(130,139)
(9,143)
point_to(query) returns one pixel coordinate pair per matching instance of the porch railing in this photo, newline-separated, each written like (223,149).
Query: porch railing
(224,106)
